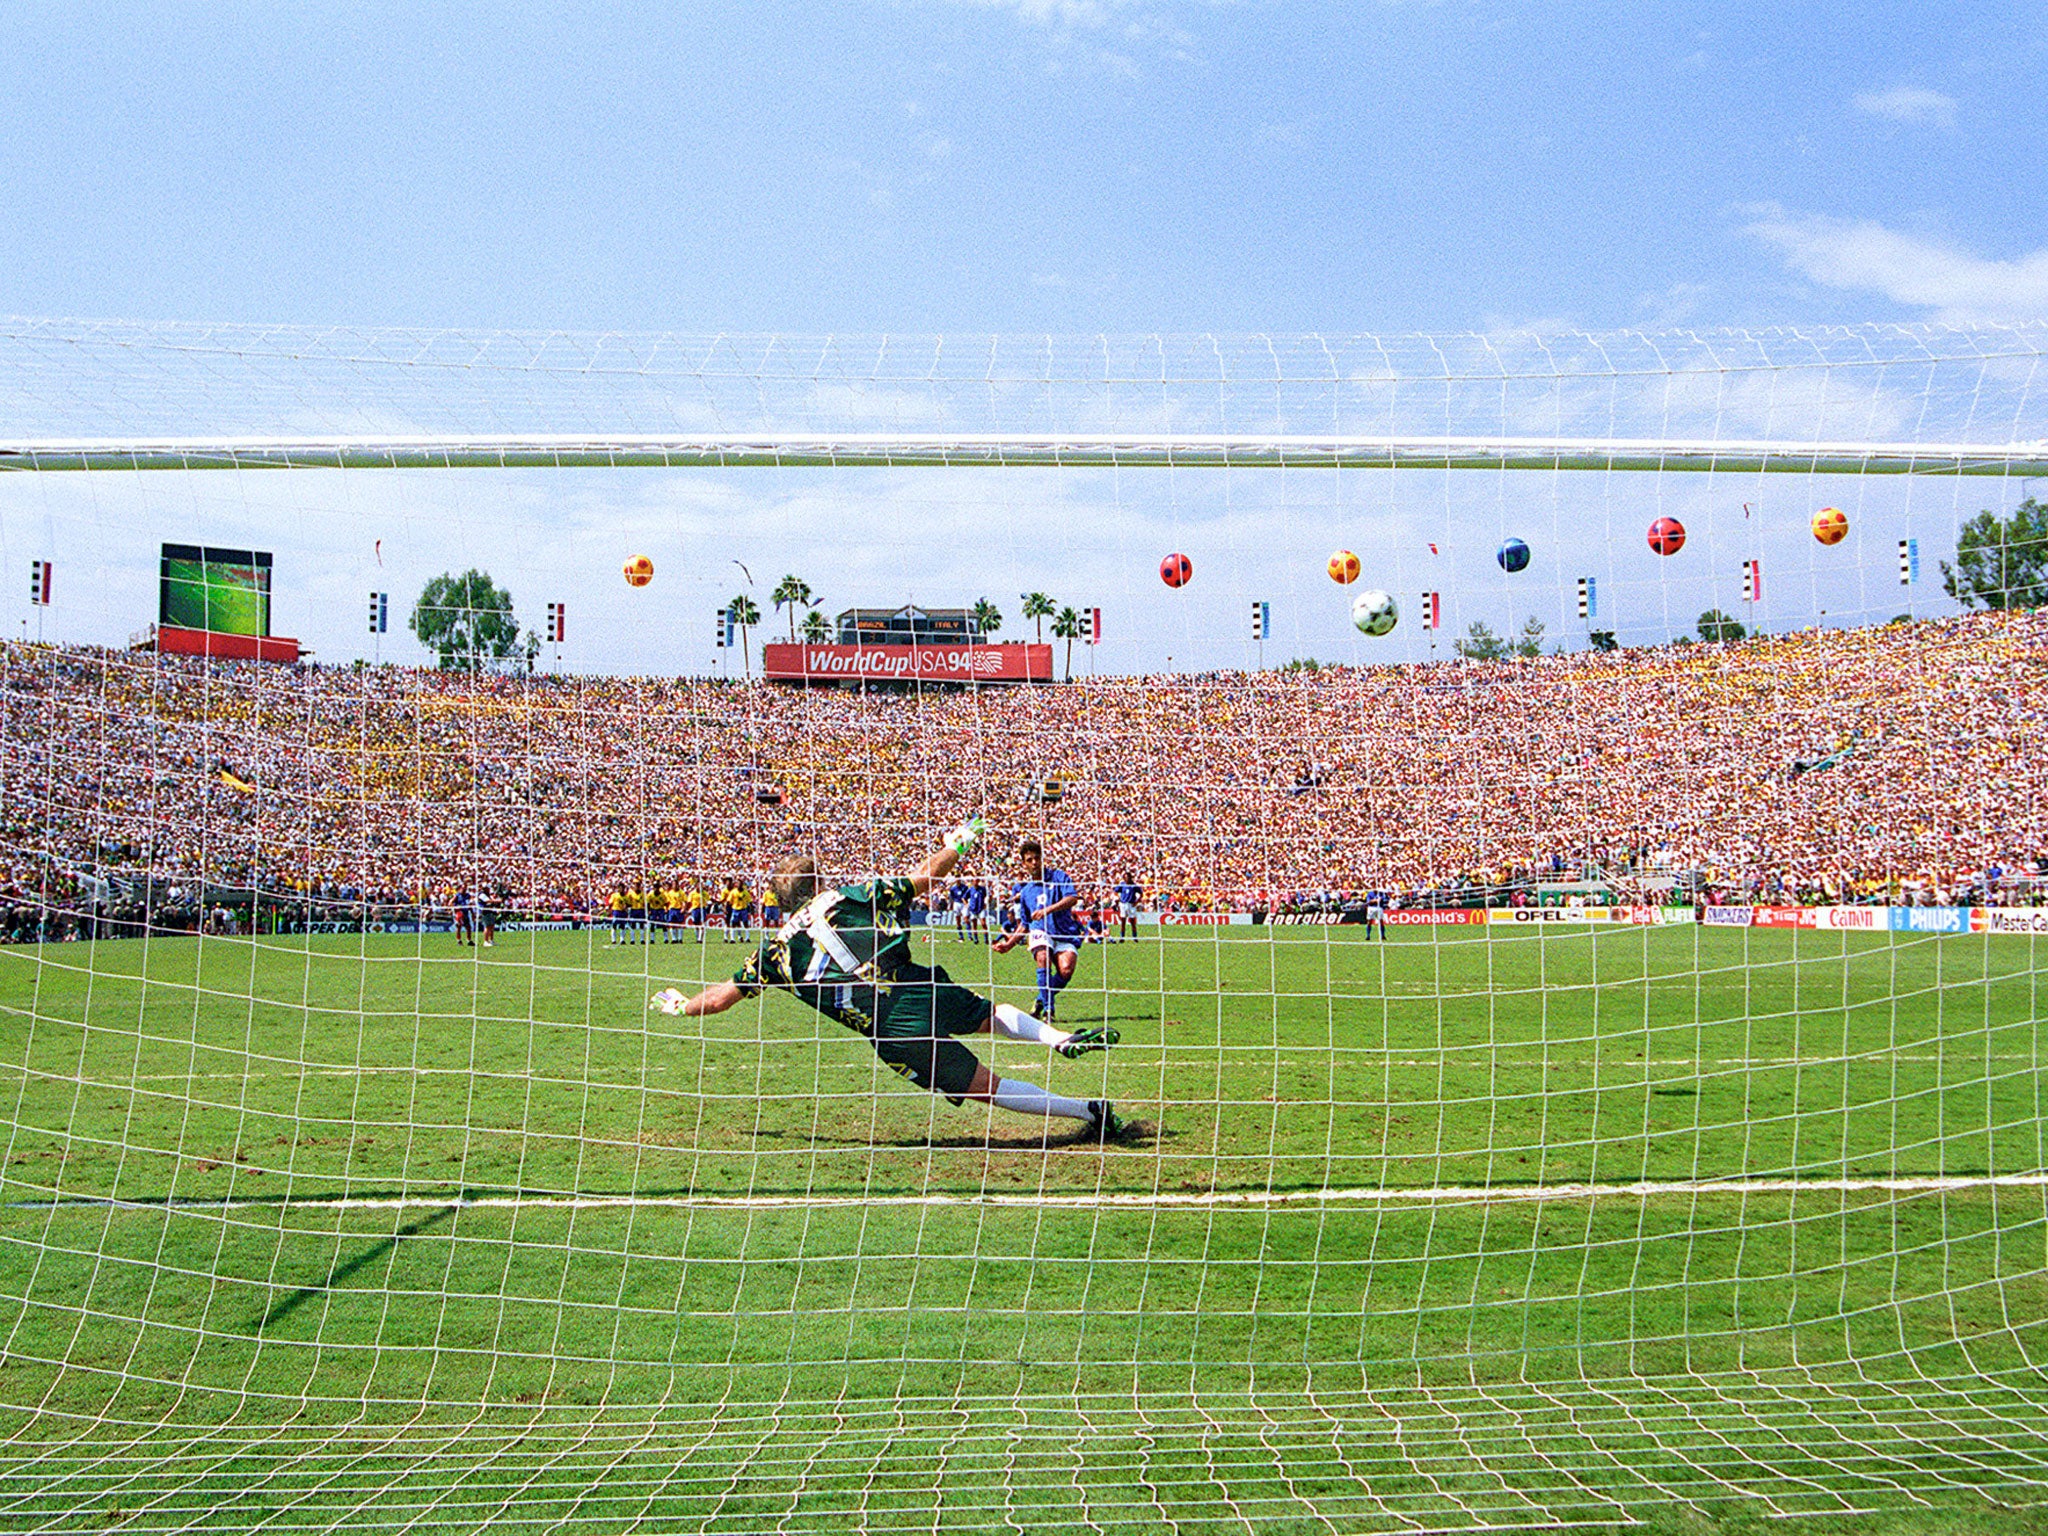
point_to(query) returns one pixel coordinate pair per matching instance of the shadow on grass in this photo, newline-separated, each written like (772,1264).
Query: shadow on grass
(284,1308)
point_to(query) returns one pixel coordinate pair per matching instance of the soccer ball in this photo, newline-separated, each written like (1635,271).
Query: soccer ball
(639,571)
(1344,567)
(1176,570)
(1513,556)
(1831,525)
(1667,535)
(1374,613)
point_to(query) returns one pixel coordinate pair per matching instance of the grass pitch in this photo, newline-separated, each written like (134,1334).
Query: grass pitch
(1432,1233)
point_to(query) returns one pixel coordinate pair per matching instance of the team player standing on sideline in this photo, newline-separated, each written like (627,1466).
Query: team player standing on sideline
(1046,899)
(843,952)
(1128,895)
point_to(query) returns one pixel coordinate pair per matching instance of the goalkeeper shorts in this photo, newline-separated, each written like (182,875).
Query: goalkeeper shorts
(922,1009)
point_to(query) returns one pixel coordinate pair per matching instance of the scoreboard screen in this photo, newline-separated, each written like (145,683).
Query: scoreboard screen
(226,591)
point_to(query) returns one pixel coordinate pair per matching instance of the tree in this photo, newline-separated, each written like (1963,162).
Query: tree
(1715,625)
(816,630)
(1067,627)
(792,592)
(1480,644)
(746,613)
(466,620)
(1037,606)
(1603,640)
(1531,641)
(2001,563)
(988,618)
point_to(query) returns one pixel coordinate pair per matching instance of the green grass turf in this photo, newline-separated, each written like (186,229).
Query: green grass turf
(381,1231)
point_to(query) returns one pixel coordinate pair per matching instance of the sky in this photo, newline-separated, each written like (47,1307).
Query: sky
(1017,167)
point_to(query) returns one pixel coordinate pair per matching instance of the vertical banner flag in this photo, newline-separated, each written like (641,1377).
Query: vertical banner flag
(725,629)
(558,623)
(1909,562)
(380,613)
(1589,598)
(1432,610)
(1094,635)
(1262,620)
(39,583)
(1752,581)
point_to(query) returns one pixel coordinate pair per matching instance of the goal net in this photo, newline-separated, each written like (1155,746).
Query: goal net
(1576,1053)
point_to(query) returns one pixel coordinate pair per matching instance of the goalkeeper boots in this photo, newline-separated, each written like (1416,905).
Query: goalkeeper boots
(1082,1041)
(1105,1126)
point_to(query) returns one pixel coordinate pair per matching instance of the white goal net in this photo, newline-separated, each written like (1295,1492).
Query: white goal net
(1570,1057)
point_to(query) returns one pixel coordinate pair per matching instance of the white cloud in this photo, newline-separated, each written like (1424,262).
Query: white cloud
(1909,104)
(1861,255)
(1074,26)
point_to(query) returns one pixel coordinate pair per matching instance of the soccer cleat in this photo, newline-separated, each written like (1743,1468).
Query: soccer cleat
(1105,1126)
(1082,1041)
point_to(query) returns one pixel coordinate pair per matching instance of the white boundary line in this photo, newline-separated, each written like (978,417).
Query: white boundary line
(1433,1194)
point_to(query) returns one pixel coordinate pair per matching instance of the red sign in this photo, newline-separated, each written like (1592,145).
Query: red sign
(1026,663)
(1430,919)
(207,642)
(1783,917)
(1196,919)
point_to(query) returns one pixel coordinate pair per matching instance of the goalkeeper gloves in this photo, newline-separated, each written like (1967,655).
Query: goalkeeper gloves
(668,1000)
(961,839)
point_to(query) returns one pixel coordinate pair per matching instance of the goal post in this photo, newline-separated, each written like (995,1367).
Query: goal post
(1580,1017)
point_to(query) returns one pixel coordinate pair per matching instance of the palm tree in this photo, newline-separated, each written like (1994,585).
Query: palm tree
(745,613)
(816,630)
(988,618)
(792,592)
(1067,627)
(1037,606)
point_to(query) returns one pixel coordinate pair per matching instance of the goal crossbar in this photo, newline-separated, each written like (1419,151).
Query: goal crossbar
(991,450)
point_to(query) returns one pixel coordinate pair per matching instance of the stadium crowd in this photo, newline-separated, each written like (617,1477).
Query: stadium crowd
(1893,763)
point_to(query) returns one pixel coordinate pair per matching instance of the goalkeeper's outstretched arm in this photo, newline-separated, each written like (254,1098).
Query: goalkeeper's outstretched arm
(959,841)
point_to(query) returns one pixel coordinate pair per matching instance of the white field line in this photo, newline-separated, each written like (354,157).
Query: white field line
(1465,1057)
(1419,1195)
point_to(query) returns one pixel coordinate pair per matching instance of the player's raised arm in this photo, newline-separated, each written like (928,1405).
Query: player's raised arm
(958,842)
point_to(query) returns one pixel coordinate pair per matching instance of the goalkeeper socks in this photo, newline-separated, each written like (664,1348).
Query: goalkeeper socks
(1030,1099)
(1016,1024)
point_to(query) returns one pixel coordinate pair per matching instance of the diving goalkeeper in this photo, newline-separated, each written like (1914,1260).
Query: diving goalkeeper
(844,953)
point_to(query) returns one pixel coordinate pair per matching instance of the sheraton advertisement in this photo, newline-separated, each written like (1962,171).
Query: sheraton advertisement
(782,662)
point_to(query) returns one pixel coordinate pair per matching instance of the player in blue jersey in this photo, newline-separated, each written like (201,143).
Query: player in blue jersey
(1046,899)
(1128,895)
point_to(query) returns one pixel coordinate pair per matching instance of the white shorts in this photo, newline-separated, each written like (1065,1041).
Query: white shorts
(1127,909)
(1040,944)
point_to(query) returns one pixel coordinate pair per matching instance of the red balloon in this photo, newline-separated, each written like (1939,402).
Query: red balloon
(1667,535)
(1176,570)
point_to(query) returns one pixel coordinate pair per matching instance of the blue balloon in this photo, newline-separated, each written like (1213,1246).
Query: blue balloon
(1513,556)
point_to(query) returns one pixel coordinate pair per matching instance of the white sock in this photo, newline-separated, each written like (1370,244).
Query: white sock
(1030,1099)
(1015,1024)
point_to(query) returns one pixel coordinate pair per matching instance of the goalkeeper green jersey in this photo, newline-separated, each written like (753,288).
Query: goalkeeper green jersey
(836,952)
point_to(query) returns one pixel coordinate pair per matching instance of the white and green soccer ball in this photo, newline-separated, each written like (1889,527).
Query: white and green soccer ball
(1374,612)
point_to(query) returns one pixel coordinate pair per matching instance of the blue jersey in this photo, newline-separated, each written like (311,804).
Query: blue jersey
(1127,894)
(1034,896)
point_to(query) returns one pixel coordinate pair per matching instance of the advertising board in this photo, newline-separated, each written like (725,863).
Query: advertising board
(1726,917)
(1930,919)
(783,662)
(1852,919)
(1781,917)
(2032,920)
(1431,919)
